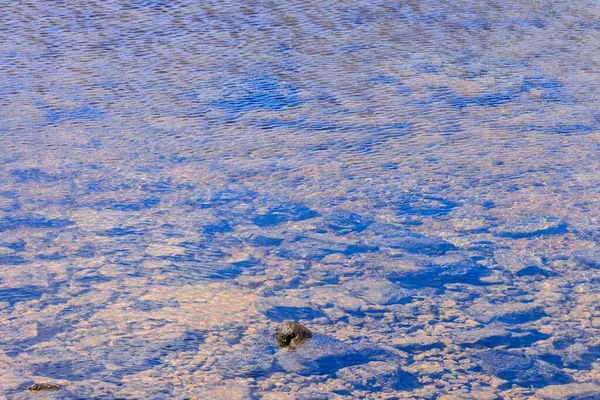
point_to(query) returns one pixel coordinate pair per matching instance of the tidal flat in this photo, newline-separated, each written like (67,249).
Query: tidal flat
(416,182)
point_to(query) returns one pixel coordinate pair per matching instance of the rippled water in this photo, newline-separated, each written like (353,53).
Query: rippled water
(417,182)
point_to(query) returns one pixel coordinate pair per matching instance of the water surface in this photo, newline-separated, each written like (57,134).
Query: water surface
(415,181)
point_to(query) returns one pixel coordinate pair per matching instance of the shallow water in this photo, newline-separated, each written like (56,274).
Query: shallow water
(416,182)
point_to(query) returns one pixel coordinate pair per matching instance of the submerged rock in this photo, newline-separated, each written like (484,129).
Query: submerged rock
(310,248)
(411,203)
(282,313)
(526,227)
(378,291)
(284,212)
(520,369)
(580,356)
(497,335)
(418,343)
(343,222)
(588,257)
(251,360)
(291,334)
(377,375)
(521,264)
(570,351)
(265,241)
(425,205)
(399,238)
(469,221)
(510,313)
(425,271)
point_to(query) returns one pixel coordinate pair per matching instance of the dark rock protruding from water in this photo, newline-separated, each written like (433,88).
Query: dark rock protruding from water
(291,334)
(37,387)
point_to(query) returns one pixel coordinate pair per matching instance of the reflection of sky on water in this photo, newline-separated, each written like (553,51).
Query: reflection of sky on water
(416,182)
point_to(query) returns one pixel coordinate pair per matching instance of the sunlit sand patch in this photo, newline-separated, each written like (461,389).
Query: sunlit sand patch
(157,250)
(96,297)
(90,220)
(200,307)
(18,330)
(170,123)
(11,374)
(30,275)
(233,391)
